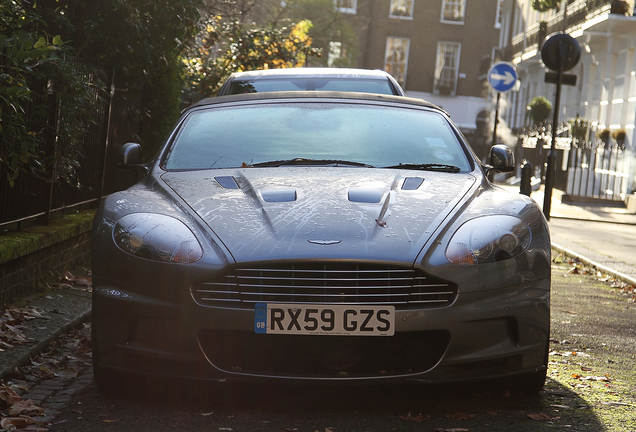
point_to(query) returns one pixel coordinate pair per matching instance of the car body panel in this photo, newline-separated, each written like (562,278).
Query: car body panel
(151,318)
(251,227)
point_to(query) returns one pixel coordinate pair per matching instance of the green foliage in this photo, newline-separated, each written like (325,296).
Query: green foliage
(540,109)
(545,5)
(238,35)
(142,39)
(619,135)
(604,135)
(32,72)
(160,104)
(329,26)
(139,39)
(243,48)
(578,128)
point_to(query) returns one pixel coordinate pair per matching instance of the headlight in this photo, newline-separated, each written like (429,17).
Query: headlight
(488,239)
(157,237)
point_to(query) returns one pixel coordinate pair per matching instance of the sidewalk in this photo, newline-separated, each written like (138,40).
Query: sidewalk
(602,250)
(587,212)
(61,310)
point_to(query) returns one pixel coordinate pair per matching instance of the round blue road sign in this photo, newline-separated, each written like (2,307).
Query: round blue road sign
(502,76)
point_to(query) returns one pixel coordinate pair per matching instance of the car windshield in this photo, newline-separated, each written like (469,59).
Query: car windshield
(301,133)
(323,84)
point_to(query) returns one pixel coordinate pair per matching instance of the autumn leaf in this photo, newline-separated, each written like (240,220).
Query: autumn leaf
(450,430)
(417,419)
(542,417)
(459,416)
(8,395)
(25,407)
(21,421)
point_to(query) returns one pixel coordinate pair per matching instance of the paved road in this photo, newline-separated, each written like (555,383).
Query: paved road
(603,236)
(611,245)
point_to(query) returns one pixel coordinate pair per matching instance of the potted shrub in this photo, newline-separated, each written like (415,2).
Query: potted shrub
(578,128)
(619,136)
(604,136)
(621,7)
(545,5)
(540,109)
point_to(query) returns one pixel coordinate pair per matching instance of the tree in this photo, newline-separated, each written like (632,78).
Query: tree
(240,35)
(224,48)
(139,39)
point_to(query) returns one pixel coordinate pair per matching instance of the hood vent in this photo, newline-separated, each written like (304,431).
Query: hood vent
(227,182)
(279,195)
(366,195)
(412,183)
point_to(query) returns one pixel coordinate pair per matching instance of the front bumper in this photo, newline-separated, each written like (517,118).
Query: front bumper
(482,335)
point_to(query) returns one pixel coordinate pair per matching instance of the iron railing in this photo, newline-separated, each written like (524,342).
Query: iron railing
(33,196)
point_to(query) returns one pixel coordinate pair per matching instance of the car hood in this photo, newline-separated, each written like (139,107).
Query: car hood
(322,212)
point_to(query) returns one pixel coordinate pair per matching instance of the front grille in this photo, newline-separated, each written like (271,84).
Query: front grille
(368,284)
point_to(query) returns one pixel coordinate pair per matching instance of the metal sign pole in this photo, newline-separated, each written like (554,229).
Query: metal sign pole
(551,168)
(494,132)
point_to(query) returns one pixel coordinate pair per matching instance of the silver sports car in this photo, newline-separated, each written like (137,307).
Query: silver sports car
(320,237)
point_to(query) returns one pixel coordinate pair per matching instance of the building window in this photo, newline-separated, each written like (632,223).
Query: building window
(453,10)
(396,58)
(402,9)
(499,16)
(347,6)
(447,67)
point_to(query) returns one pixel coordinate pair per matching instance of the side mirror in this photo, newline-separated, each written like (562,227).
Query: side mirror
(501,158)
(129,154)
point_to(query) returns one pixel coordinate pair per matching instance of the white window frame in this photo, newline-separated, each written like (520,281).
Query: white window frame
(441,68)
(391,65)
(448,4)
(351,6)
(407,4)
(499,14)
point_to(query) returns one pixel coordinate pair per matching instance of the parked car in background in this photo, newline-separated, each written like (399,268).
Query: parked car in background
(310,79)
(320,237)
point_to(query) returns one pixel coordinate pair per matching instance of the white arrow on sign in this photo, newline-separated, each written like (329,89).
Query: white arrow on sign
(507,78)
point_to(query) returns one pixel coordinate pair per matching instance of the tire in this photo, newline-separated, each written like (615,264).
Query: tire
(533,382)
(530,383)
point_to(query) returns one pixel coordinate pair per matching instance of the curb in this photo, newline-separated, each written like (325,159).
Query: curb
(587,219)
(616,274)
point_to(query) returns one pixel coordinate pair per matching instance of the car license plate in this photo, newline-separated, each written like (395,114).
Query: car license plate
(356,320)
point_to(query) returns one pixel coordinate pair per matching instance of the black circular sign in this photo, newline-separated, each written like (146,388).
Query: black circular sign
(560,51)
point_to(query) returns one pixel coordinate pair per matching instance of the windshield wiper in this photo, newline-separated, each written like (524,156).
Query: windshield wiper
(427,167)
(304,161)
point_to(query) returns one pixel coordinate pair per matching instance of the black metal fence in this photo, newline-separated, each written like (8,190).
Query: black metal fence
(109,120)
(597,170)
(586,168)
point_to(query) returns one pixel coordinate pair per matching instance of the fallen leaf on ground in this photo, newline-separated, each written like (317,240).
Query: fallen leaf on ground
(20,421)
(459,416)
(450,430)
(25,407)
(415,419)
(542,417)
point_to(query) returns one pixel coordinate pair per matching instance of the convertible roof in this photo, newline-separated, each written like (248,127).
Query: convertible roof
(316,95)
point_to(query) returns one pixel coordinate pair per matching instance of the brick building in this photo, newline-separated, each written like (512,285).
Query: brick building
(439,50)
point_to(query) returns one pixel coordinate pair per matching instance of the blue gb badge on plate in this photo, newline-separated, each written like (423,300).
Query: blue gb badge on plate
(260,318)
